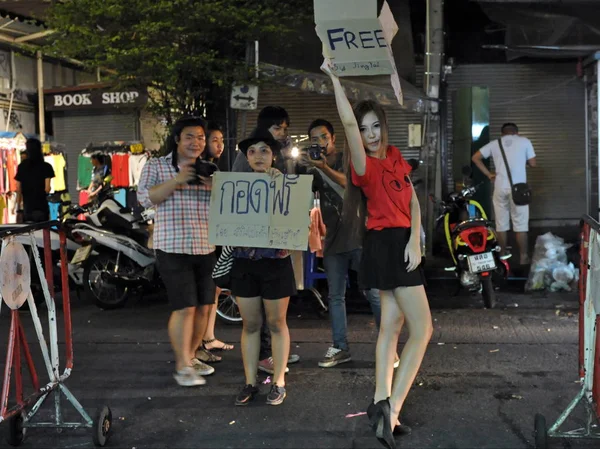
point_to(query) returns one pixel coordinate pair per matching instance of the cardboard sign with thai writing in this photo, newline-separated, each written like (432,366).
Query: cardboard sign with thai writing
(254,210)
(353,37)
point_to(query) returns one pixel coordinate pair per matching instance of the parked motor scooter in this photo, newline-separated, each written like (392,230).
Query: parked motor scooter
(472,242)
(123,263)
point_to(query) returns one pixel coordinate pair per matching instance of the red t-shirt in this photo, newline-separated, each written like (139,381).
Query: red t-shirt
(386,184)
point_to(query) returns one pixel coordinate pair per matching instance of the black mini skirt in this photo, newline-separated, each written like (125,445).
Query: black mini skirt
(382,265)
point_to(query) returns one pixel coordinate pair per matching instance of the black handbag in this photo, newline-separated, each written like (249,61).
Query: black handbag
(521,192)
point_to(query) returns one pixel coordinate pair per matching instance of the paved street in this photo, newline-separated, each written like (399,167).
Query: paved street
(485,375)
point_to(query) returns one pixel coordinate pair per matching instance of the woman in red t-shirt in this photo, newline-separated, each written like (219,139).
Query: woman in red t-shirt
(391,253)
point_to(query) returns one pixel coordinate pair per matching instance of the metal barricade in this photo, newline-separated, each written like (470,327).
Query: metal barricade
(589,345)
(16,269)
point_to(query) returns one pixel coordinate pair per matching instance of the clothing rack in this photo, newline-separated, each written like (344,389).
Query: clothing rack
(125,159)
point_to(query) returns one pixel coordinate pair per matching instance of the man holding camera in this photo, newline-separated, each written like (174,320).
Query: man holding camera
(342,250)
(179,185)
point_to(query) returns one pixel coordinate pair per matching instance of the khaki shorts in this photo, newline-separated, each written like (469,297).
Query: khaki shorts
(506,211)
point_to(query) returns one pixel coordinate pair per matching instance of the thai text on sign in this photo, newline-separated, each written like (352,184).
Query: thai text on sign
(254,210)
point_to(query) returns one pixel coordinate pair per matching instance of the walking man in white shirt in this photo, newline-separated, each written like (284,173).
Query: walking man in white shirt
(519,154)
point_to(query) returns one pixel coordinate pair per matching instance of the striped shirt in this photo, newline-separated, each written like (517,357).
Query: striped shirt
(181,221)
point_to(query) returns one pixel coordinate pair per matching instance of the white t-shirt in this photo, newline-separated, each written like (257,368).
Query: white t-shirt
(136,164)
(518,151)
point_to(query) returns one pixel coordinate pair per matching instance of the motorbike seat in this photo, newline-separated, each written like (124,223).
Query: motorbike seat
(473,223)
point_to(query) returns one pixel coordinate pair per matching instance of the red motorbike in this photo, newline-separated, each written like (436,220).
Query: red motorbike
(473,245)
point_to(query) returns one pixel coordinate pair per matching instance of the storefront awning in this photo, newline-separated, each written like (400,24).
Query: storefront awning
(357,88)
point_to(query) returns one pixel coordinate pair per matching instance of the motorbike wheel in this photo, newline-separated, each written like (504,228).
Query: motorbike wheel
(227,308)
(106,296)
(488,293)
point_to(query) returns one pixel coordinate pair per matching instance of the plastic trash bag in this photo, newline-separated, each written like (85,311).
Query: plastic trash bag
(549,268)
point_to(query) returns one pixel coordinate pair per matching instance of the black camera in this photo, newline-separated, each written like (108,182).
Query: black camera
(315,151)
(202,168)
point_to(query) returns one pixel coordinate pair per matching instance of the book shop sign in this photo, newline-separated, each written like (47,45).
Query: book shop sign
(95,99)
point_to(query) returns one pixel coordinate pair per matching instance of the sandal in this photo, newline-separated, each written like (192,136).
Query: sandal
(206,356)
(223,347)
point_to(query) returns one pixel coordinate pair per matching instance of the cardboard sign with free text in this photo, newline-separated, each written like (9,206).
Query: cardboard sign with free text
(353,37)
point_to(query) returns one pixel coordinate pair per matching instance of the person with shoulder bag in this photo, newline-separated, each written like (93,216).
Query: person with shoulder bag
(511,153)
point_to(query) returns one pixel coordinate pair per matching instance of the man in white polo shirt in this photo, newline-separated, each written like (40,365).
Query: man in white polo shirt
(519,154)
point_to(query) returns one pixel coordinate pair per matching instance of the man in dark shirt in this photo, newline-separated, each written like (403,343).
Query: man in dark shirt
(33,183)
(342,248)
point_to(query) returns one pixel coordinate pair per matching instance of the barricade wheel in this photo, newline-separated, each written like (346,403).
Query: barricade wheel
(16,429)
(541,432)
(102,426)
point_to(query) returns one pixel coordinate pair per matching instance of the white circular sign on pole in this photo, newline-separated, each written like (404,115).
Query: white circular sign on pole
(15,274)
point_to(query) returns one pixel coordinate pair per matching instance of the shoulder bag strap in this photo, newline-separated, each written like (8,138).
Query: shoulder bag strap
(505,162)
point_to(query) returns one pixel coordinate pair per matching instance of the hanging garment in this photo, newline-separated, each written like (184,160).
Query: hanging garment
(84,171)
(54,210)
(11,165)
(121,197)
(316,234)
(120,170)
(59,182)
(3,216)
(136,164)
(11,210)
(3,181)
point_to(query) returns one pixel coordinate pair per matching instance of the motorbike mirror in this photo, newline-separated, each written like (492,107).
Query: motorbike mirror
(467,171)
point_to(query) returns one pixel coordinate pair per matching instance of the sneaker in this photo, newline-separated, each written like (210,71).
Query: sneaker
(396,361)
(204,355)
(246,395)
(202,369)
(187,377)
(293,358)
(276,395)
(266,366)
(335,356)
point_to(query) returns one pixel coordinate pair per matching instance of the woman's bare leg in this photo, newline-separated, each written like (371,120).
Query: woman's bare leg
(412,301)
(276,311)
(387,343)
(250,309)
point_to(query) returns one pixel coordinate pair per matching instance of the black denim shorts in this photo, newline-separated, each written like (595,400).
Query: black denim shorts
(188,278)
(267,278)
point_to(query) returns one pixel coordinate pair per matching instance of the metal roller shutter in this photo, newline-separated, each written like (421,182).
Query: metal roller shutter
(304,107)
(77,129)
(592,136)
(547,102)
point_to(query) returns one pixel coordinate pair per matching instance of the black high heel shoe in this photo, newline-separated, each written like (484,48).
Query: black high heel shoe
(400,429)
(380,422)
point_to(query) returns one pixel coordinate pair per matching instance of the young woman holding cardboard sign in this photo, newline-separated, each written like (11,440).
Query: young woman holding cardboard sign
(263,275)
(391,253)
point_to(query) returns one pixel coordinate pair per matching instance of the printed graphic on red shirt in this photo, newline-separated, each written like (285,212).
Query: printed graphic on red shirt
(394,183)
